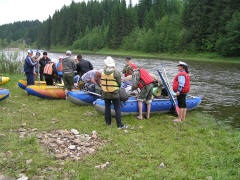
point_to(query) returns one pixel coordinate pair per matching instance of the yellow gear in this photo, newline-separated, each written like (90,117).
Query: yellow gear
(109,83)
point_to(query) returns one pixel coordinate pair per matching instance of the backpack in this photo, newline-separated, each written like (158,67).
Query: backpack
(48,69)
(60,67)
(123,94)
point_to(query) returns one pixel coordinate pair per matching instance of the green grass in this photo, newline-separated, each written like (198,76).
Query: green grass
(196,149)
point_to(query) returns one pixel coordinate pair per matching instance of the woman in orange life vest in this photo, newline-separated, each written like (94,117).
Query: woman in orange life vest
(143,80)
(181,85)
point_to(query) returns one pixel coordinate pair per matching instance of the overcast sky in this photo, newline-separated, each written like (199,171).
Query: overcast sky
(21,10)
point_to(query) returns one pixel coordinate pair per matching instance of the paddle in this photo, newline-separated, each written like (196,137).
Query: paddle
(93,93)
(167,82)
(176,108)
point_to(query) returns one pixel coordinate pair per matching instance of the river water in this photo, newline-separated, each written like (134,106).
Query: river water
(217,83)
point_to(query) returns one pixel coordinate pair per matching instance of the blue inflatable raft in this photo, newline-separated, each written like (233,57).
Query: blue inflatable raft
(161,105)
(82,97)
(4,93)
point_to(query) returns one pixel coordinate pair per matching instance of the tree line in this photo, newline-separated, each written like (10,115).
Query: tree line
(150,26)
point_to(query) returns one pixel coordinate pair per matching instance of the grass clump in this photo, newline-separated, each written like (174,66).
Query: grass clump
(150,149)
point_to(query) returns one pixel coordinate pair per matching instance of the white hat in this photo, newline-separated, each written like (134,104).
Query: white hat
(30,51)
(180,63)
(68,52)
(109,61)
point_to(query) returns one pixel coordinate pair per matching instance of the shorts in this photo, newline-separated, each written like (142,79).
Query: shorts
(182,100)
(146,94)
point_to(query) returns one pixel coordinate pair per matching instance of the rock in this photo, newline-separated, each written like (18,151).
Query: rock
(161,165)
(74,131)
(22,177)
(29,161)
(103,166)
(72,147)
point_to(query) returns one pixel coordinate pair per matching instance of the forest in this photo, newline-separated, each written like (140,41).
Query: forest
(159,26)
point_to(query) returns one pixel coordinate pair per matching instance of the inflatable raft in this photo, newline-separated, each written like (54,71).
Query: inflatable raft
(161,105)
(23,83)
(4,93)
(82,97)
(44,91)
(4,80)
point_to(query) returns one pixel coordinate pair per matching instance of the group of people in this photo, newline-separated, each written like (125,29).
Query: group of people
(109,81)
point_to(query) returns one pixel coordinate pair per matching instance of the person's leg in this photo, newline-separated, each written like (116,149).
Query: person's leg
(41,76)
(148,110)
(30,79)
(149,99)
(107,114)
(140,104)
(184,114)
(117,108)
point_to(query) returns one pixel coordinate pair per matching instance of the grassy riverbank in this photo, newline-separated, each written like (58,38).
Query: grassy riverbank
(206,57)
(150,149)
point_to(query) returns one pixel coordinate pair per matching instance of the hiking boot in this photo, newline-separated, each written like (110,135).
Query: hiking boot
(123,127)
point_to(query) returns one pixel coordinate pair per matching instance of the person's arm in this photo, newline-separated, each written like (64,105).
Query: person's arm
(181,83)
(90,66)
(30,62)
(117,76)
(135,79)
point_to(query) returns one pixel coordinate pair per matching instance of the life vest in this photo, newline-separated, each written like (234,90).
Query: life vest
(145,78)
(60,67)
(48,69)
(186,87)
(109,83)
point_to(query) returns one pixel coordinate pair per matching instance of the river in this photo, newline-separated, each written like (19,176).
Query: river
(217,83)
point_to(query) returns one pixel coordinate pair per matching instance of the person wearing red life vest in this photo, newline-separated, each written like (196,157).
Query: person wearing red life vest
(143,80)
(181,85)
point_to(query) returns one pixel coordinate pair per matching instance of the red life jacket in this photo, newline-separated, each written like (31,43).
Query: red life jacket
(145,78)
(186,87)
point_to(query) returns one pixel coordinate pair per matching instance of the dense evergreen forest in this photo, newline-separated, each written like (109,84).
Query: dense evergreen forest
(150,26)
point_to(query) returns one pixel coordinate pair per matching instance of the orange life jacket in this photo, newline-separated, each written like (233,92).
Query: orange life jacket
(48,69)
(60,67)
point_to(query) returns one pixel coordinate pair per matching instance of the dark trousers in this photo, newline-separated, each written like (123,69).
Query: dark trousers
(117,108)
(49,79)
(30,78)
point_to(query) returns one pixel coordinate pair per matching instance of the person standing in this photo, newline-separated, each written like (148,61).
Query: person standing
(110,83)
(37,57)
(42,62)
(143,80)
(181,86)
(50,72)
(29,65)
(69,68)
(59,67)
(83,65)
